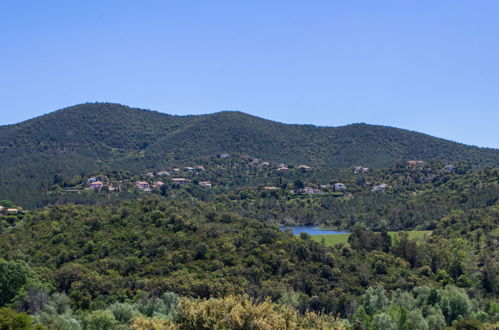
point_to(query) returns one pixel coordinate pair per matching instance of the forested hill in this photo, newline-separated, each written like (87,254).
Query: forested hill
(90,137)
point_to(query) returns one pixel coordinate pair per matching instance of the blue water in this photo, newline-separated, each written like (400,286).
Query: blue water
(312,230)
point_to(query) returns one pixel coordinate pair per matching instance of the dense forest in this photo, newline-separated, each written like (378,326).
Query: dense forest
(119,218)
(106,261)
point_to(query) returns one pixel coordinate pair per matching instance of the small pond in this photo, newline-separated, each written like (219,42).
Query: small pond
(311,230)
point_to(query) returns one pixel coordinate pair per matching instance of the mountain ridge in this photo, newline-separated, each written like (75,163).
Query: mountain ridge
(87,138)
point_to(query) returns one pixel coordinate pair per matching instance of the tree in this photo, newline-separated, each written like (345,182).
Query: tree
(299,185)
(14,275)
(10,320)
(100,320)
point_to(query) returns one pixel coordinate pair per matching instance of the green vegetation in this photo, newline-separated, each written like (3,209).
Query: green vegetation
(106,267)
(333,239)
(90,138)
(421,253)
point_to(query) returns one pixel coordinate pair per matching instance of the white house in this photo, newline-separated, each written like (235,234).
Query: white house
(164,173)
(379,187)
(340,187)
(180,181)
(97,185)
(142,185)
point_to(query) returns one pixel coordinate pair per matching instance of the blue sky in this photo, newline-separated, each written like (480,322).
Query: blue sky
(429,66)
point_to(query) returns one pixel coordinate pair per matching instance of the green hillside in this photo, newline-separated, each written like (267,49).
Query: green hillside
(95,258)
(88,138)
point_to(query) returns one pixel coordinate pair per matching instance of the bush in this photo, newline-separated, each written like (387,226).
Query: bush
(10,320)
(123,312)
(100,320)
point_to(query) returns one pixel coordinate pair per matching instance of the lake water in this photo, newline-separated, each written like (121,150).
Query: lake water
(312,230)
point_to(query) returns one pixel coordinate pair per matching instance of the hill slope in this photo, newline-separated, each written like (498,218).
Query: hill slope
(86,138)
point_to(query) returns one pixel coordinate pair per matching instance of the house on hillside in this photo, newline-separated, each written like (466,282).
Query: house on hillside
(164,173)
(265,164)
(224,155)
(180,181)
(283,169)
(206,184)
(379,187)
(199,168)
(360,169)
(97,185)
(90,180)
(2,209)
(340,187)
(450,168)
(304,168)
(12,211)
(142,185)
(311,190)
(189,169)
(158,184)
(414,163)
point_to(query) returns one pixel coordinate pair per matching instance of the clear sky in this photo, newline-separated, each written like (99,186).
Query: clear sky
(426,65)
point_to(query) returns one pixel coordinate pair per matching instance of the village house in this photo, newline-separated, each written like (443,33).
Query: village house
(326,186)
(379,187)
(164,173)
(180,181)
(10,211)
(270,188)
(340,187)
(176,170)
(142,185)
(91,180)
(449,168)
(412,163)
(150,175)
(360,169)
(199,168)
(158,184)
(189,169)
(2,209)
(97,185)
(311,190)
(283,169)
(206,184)
(304,167)
(224,155)
(265,164)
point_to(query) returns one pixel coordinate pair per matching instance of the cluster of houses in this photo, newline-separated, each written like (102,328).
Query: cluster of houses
(99,182)
(145,186)
(285,168)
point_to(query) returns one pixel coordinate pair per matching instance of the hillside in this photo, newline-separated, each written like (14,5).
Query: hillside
(130,254)
(88,138)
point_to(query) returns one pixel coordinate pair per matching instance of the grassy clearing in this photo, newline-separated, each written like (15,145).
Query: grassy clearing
(333,239)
